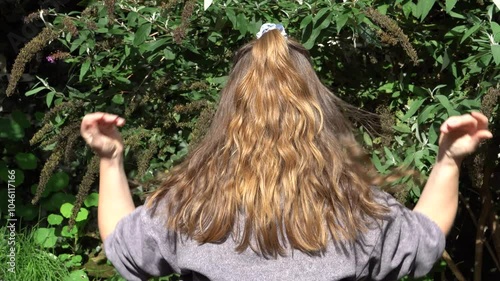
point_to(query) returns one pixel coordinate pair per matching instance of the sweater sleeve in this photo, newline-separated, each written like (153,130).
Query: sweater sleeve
(409,244)
(141,247)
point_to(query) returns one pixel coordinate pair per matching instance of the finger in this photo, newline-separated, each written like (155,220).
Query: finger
(101,118)
(483,135)
(111,119)
(482,120)
(458,122)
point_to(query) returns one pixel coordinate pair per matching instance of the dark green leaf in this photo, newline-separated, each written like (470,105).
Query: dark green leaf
(142,34)
(26,161)
(21,119)
(470,31)
(10,129)
(340,21)
(58,181)
(446,60)
(424,7)
(83,70)
(49,98)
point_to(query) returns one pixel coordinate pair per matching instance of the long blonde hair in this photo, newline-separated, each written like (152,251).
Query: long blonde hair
(279,166)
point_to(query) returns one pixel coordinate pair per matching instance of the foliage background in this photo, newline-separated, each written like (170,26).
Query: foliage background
(161,65)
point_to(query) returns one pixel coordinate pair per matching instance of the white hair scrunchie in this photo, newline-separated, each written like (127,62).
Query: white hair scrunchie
(270,26)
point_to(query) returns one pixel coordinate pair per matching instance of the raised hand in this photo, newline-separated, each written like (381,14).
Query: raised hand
(460,135)
(100,131)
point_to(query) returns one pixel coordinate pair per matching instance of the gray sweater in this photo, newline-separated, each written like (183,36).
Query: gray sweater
(406,242)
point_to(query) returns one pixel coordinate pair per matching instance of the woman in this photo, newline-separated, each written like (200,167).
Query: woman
(276,190)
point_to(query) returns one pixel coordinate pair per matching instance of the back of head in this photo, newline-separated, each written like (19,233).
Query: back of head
(276,169)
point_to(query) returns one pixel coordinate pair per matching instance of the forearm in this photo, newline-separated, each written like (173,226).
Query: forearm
(115,200)
(439,199)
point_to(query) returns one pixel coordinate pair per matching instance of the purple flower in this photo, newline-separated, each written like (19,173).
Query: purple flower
(51,59)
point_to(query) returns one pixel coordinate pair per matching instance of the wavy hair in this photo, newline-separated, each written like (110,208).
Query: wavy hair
(279,167)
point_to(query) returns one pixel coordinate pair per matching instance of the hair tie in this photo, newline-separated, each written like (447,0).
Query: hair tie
(270,26)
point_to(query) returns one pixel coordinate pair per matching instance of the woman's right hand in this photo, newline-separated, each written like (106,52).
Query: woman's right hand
(460,135)
(100,131)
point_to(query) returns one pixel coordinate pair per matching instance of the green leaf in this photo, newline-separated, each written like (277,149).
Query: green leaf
(69,233)
(402,128)
(446,60)
(495,51)
(26,161)
(76,44)
(18,175)
(312,39)
(76,259)
(427,113)
(305,21)
(416,190)
(450,4)
(322,19)
(470,31)
(341,20)
(495,28)
(142,34)
(82,215)
(414,107)
(132,18)
(168,54)
(46,237)
(58,181)
(92,200)
(78,275)
(83,70)
(367,139)
(445,102)
(389,156)
(118,99)
(424,7)
(10,129)
(55,201)
(21,119)
(54,219)
(156,44)
(49,98)
(66,210)
(122,79)
(376,162)
(27,212)
(242,23)
(34,91)
(386,88)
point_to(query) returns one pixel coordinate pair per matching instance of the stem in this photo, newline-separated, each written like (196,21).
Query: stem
(453,267)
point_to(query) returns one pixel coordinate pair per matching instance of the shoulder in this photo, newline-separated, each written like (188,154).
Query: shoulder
(404,242)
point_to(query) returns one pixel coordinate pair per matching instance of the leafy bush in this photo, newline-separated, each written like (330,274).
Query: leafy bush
(161,66)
